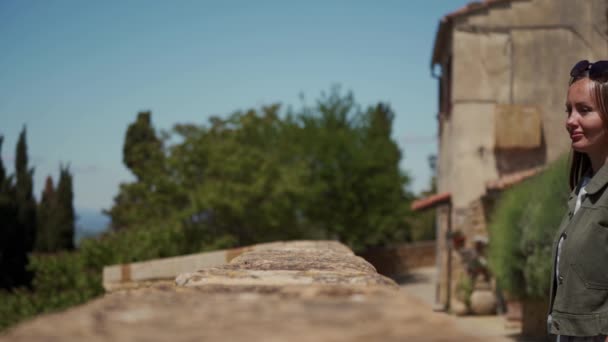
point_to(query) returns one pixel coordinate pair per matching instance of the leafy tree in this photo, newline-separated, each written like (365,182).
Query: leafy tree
(245,184)
(327,171)
(152,197)
(362,189)
(423,223)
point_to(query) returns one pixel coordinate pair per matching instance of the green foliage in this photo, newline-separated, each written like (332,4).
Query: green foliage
(60,281)
(326,171)
(464,289)
(47,224)
(153,196)
(142,150)
(12,257)
(422,224)
(522,231)
(26,204)
(17,220)
(65,210)
(56,215)
(70,278)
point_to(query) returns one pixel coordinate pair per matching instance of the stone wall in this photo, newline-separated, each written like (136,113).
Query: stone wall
(398,260)
(296,291)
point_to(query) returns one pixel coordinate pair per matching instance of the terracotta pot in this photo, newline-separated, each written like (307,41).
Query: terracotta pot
(483,300)
(459,308)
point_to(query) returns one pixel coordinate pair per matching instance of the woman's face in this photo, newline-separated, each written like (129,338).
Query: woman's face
(584,121)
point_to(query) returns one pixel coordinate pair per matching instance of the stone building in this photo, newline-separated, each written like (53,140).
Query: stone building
(502,68)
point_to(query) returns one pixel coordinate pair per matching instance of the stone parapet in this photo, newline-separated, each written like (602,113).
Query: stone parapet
(293,291)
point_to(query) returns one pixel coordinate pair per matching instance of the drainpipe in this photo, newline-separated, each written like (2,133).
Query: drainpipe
(449,266)
(438,306)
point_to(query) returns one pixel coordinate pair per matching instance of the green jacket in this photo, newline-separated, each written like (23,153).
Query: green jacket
(579,297)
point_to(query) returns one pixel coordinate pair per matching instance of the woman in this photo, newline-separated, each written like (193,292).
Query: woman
(579,291)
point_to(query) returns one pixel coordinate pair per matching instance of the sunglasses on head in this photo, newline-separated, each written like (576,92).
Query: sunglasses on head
(597,71)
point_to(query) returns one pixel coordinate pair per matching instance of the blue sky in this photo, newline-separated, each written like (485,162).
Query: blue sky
(77,72)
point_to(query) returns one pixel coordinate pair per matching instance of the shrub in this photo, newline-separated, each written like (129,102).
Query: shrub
(66,279)
(522,229)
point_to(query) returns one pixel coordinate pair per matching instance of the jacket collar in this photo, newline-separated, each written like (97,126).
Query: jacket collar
(599,180)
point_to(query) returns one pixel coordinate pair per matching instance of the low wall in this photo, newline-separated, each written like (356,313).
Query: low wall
(128,275)
(298,291)
(398,260)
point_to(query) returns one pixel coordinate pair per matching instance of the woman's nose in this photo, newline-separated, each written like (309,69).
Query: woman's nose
(571,121)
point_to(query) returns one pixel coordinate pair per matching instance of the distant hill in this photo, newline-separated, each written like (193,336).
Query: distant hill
(89,223)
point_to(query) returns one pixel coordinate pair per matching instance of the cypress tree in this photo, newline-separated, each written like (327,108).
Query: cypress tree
(7,217)
(142,150)
(26,203)
(47,222)
(65,210)
(13,258)
(25,237)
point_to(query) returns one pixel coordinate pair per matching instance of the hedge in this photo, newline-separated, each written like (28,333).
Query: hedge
(522,230)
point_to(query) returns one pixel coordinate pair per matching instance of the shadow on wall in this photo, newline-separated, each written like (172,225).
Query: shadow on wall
(512,160)
(519,142)
(396,261)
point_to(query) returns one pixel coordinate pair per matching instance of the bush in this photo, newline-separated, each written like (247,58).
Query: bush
(522,230)
(66,279)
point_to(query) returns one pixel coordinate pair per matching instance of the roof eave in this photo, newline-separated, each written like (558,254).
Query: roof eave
(441,40)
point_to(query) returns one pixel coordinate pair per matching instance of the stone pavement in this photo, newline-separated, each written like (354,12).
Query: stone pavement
(420,284)
(297,291)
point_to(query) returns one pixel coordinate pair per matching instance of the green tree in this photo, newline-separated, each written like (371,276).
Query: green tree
(152,196)
(355,162)
(56,217)
(423,223)
(23,240)
(327,171)
(25,198)
(12,256)
(142,150)
(245,183)
(65,209)
(47,218)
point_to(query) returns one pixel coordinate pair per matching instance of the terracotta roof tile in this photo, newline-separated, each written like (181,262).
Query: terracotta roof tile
(471,7)
(431,201)
(512,179)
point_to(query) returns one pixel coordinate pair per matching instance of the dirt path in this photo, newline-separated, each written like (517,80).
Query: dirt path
(420,285)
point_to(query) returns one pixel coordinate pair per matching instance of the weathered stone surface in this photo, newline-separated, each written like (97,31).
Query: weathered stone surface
(305,291)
